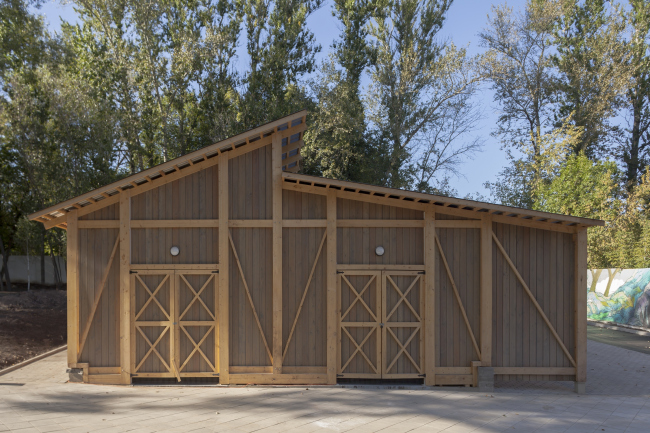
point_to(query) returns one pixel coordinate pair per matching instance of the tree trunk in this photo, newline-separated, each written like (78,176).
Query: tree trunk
(5,266)
(632,157)
(594,280)
(611,280)
(57,273)
(42,253)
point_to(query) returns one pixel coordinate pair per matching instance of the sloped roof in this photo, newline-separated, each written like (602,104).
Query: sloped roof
(293,127)
(244,142)
(399,195)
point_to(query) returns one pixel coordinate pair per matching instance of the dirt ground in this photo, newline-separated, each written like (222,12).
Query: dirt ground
(31,323)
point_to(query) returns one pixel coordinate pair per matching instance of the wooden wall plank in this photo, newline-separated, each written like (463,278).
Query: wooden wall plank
(429,297)
(486,291)
(125,283)
(276,180)
(580,312)
(73,288)
(224,271)
(332,317)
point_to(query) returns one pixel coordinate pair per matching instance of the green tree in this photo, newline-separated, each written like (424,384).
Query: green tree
(415,77)
(521,72)
(282,50)
(637,99)
(591,60)
(336,144)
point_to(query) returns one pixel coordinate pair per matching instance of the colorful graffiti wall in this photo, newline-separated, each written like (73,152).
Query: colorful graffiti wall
(620,296)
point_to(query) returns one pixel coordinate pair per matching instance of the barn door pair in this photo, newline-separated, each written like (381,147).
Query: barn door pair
(174,331)
(380,324)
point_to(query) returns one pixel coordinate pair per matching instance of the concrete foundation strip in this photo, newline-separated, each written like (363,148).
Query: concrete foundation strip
(34,359)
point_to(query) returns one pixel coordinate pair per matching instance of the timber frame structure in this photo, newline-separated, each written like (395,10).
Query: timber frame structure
(278,278)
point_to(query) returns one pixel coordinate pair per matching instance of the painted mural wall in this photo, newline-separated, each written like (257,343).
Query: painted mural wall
(619,295)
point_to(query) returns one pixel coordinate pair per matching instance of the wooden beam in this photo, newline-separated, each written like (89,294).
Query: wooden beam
(73,289)
(581,304)
(224,272)
(532,298)
(84,211)
(486,291)
(458,224)
(153,224)
(125,286)
(429,297)
(251,223)
(304,223)
(99,224)
(278,379)
(276,190)
(172,267)
(523,222)
(354,196)
(536,371)
(380,267)
(363,223)
(332,347)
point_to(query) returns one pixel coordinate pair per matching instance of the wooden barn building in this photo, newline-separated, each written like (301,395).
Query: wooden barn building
(228,266)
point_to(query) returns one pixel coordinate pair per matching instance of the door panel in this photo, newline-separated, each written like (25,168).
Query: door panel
(196,295)
(174,320)
(402,319)
(152,335)
(359,332)
(380,324)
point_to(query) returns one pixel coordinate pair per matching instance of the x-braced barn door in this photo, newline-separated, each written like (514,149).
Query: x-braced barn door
(380,324)
(174,331)
(197,326)
(402,354)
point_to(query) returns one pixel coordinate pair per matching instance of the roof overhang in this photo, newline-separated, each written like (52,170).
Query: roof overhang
(410,198)
(293,126)
(250,140)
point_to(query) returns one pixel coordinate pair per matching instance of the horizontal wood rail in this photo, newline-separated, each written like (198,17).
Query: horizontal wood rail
(173,267)
(155,224)
(537,371)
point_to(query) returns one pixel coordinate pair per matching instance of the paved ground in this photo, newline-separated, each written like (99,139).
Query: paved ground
(37,399)
(626,340)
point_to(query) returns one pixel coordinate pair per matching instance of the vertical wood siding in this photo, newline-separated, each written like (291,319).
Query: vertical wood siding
(195,196)
(102,346)
(254,251)
(461,247)
(308,343)
(521,338)
(250,186)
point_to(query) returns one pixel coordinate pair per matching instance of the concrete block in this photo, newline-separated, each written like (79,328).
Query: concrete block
(580,387)
(75,374)
(485,379)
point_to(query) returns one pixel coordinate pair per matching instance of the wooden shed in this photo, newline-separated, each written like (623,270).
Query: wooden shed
(227,265)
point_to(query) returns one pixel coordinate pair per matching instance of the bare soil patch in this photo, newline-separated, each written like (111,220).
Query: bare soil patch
(31,323)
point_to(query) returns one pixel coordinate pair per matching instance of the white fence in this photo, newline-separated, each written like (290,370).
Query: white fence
(18,269)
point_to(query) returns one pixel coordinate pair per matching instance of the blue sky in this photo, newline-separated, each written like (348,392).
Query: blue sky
(465,20)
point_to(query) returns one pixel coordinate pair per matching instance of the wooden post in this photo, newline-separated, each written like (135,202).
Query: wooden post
(224,273)
(125,285)
(581,304)
(276,178)
(430,297)
(332,314)
(73,289)
(486,291)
